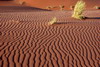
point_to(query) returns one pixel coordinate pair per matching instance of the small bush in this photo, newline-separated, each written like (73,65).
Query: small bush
(72,7)
(61,7)
(97,7)
(21,3)
(78,10)
(49,7)
(53,20)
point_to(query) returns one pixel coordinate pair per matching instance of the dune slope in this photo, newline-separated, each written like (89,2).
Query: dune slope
(66,3)
(46,3)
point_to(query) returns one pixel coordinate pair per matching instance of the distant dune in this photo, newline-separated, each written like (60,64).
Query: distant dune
(45,3)
(67,3)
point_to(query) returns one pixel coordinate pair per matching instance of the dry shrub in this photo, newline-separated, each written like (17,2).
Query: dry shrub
(97,7)
(22,2)
(72,7)
(49,7)
(78,10)
(53,20)
(61,7)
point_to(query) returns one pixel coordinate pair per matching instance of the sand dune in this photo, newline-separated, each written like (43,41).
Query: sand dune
(26,40)
(46,3)
(66,3)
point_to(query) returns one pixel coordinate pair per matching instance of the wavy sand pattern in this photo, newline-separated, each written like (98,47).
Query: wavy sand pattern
(26,39)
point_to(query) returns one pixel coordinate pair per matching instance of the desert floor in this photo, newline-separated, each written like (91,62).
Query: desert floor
(27,39)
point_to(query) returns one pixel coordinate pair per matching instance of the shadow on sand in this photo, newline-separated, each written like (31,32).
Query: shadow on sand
(93,18)
(20,9)
(65,23)
(75,21)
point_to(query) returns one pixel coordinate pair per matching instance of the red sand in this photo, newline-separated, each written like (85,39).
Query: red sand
(27,41)
(46,3)
(66,3)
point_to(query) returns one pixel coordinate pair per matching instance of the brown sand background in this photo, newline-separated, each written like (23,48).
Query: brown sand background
(26,39)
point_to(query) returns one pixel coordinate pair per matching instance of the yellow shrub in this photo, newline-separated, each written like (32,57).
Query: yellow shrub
(61,7)
(78,10)
(97,7)
(21,2)
(54,20)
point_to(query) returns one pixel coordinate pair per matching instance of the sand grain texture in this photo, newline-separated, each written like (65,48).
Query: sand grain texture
(27,41)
